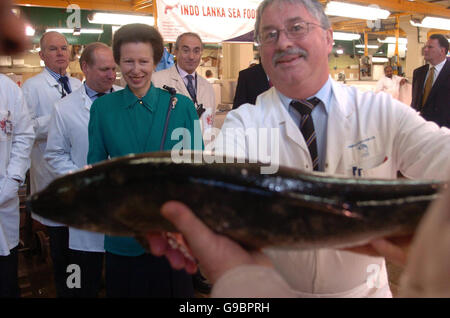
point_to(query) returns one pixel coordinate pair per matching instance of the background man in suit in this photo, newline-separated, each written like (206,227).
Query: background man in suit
(431,83)
(184,78)
(251,82)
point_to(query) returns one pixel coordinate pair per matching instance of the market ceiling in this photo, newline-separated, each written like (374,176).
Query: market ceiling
(429,7)
(417,8)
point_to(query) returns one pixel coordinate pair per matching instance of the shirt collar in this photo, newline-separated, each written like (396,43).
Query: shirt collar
(183,73)
(55,75)
(93,94)
(438,67)
(324,94)
(150,99)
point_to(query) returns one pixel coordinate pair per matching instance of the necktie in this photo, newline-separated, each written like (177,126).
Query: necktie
(190,87)
(64,80)
(99,94)
(428,86)
(305,107)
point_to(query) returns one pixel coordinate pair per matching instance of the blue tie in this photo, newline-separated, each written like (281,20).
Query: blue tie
(64,80)
(190,87)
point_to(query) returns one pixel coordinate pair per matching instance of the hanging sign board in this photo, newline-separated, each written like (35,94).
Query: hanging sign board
(215,21)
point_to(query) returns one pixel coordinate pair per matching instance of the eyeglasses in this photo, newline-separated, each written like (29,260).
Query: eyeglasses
(293,31)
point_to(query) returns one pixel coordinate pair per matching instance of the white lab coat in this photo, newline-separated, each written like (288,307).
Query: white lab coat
(41,92)
(16,140)
(205,94)
(66,152)
(363,140)
(389,85)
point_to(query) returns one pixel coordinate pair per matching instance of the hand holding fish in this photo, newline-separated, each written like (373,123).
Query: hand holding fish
(394,249)
(215,253)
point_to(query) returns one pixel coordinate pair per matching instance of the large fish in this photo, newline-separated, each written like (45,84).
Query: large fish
(289,209)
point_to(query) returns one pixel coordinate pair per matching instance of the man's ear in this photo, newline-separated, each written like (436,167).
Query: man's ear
(83,66)
(329,39)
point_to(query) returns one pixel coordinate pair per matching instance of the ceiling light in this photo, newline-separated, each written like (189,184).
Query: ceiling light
(391,39)
(29,31)
(355,11)
(361,46)
(75,31)
(342,36)
(432,23)
(379,59)
(120,19)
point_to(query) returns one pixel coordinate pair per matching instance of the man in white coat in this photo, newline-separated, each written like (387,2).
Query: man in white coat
(356,134)
(41,92)
(390,83)
(184,78)
(16,140)
(67,148)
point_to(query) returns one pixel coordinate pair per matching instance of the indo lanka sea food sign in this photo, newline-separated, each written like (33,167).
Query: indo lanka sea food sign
(213,20)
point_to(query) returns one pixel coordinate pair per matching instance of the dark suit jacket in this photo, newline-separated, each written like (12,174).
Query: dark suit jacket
(437,106)
(251,82)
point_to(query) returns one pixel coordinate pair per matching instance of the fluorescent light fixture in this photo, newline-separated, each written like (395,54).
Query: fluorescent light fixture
(120,19)
(379,59)
(29,31)
(340,51)
(342,36)
(342,9)
(391,39)
(360,52)
(432,23)
(83,31)
(369,46)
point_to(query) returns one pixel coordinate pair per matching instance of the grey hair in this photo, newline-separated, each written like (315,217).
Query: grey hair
(42,41)
(177,42)
(312,6)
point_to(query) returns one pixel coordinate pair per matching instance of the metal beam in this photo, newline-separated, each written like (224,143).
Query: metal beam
(102,5)
(415,7)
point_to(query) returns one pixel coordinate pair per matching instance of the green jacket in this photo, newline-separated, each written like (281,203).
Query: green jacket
(121,124)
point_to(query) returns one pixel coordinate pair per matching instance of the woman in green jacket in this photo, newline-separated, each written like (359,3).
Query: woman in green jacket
(138,119)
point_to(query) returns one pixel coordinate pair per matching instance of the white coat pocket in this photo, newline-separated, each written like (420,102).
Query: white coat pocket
(377,167)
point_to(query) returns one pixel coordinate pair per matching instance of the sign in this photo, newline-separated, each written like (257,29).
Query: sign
(215,21)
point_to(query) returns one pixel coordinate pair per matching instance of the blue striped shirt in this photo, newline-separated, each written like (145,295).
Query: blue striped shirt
(57,76)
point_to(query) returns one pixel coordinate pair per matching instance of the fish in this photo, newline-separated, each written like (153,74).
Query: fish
(290,209)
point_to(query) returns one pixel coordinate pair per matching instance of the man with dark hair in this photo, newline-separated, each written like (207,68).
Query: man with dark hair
(184,78)
(41,92)
(390,83)
(67,148)
(251,82)
(431,82)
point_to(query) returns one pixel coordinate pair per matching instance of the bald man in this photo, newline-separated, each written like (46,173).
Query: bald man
(41,92)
